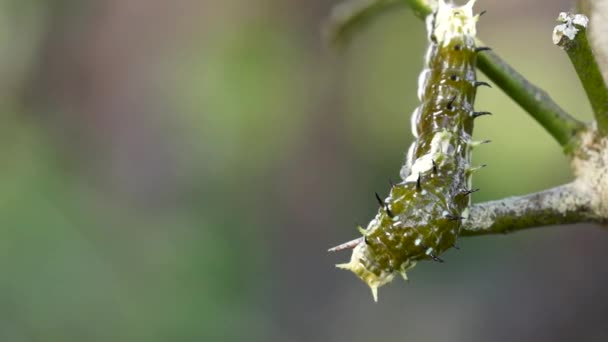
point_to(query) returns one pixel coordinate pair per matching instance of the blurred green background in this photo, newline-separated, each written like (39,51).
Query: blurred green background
(176,170)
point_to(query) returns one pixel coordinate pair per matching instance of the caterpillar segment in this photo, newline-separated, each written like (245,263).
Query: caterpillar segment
(421,217)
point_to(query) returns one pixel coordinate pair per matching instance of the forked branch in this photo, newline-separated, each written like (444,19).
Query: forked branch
(562,126)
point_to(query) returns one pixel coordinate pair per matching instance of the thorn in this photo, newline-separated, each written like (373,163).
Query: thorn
(476,168)
(389,212)
(375,293)
(451,103)
(347,245)
(383,205)
(380,201)
(418,185)
(478,114)
(434,166)
(482,13)
(468,192)
(454,217)
(477,143)
(436,258)
(481,83)
(361,230)
(482,48)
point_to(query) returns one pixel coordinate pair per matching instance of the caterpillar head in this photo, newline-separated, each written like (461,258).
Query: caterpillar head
(449,21)
(363,264)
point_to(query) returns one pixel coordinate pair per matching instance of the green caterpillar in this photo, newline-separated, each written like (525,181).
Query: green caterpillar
(422,216)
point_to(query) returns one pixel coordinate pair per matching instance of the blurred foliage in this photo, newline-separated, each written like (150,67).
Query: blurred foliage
(269,151)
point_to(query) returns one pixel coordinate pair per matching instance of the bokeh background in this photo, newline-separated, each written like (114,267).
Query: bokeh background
(176,170)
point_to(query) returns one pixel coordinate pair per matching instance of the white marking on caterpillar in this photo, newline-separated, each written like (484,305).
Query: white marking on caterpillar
(405,170)
(422,80)
(450,22)
(414,121)
(429,53)
(440,146)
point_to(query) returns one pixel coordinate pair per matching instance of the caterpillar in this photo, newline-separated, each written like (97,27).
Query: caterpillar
(422,216)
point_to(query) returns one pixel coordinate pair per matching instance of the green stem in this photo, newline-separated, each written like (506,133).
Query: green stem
(584,62)
(348,17)
(421,8)
(563,127)
(531,98)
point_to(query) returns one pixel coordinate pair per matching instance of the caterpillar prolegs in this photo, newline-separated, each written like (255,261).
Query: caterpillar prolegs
(421,218)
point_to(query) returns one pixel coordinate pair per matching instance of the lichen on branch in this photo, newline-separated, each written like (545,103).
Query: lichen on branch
(561,205)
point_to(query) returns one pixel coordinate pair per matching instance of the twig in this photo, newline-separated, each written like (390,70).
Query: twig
(571,36)
(347,17)
(562,126)
(561,205)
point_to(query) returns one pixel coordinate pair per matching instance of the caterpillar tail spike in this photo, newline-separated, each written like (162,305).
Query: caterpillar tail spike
(347,245)
(442,125)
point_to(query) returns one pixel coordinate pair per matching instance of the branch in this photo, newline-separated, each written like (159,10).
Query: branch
(561,205)
(531,98)
(571,36)
(597,12)
(563,127)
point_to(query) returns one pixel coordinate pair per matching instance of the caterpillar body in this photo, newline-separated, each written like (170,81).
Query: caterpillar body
(422,216)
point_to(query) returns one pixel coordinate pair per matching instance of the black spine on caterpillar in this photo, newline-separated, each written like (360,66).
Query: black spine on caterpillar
(421,217)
